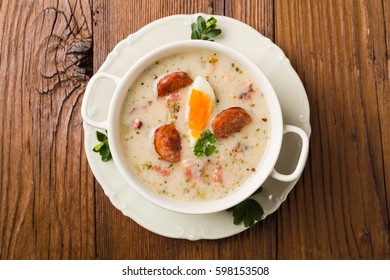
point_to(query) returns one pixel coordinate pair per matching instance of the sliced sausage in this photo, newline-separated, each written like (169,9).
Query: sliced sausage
(172,82)
(167,143)
(230,121)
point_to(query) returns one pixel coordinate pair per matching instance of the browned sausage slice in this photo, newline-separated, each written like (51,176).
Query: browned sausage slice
(230,121)
(172,82)
(167,143)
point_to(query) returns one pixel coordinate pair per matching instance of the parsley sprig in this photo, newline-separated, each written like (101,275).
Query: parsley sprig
(205,145)
(248,211)
(103,148)
(203,30)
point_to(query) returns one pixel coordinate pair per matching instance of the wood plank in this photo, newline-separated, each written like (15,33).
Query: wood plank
(260,241)
(47,205)
(339,211)
(117,236)
(258,14)
(384,107)
(339,208)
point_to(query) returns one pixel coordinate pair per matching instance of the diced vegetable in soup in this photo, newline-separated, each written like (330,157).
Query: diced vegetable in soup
(194,126)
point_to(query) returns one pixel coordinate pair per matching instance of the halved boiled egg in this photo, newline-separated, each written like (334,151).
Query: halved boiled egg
(200,105)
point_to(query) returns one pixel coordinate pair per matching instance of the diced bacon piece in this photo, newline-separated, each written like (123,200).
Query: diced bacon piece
(175,96)
(247,95)
(136,124)
(212,173)
(163,171)
(217,176)
(188,174)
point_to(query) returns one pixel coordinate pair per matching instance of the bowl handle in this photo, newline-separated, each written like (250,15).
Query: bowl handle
(87,96)
(302,158)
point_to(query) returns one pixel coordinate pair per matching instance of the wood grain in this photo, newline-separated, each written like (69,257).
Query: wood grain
(111,224)
(339,210)
(51,207)
(118,236)
(47,195)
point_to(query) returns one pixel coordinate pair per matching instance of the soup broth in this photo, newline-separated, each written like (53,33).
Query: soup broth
(194,178)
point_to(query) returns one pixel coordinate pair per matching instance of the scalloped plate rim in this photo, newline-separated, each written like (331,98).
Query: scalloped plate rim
(129,41)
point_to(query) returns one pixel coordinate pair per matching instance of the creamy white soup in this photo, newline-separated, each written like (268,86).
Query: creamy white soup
(225,93)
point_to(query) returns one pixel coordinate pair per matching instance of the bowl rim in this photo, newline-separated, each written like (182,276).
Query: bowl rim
(266,164)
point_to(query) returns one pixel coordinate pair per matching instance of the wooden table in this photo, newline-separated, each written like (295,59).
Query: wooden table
(51,207)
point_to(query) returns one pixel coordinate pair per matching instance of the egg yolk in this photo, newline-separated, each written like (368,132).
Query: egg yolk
(200,108)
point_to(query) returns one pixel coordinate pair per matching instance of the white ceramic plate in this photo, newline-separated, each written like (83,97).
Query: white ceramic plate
(269,57)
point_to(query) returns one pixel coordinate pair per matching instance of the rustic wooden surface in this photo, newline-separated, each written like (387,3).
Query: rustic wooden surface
(51,207)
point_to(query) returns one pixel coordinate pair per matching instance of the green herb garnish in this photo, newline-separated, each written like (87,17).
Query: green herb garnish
(248,211)
(103,148)
(205,146)
(203,30)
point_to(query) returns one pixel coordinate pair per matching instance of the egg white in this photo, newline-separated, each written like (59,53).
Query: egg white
(200,84)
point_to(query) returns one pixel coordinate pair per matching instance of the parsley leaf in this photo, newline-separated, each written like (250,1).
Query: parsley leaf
(205,145)
(202,30)
(248,211)
(103,148)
